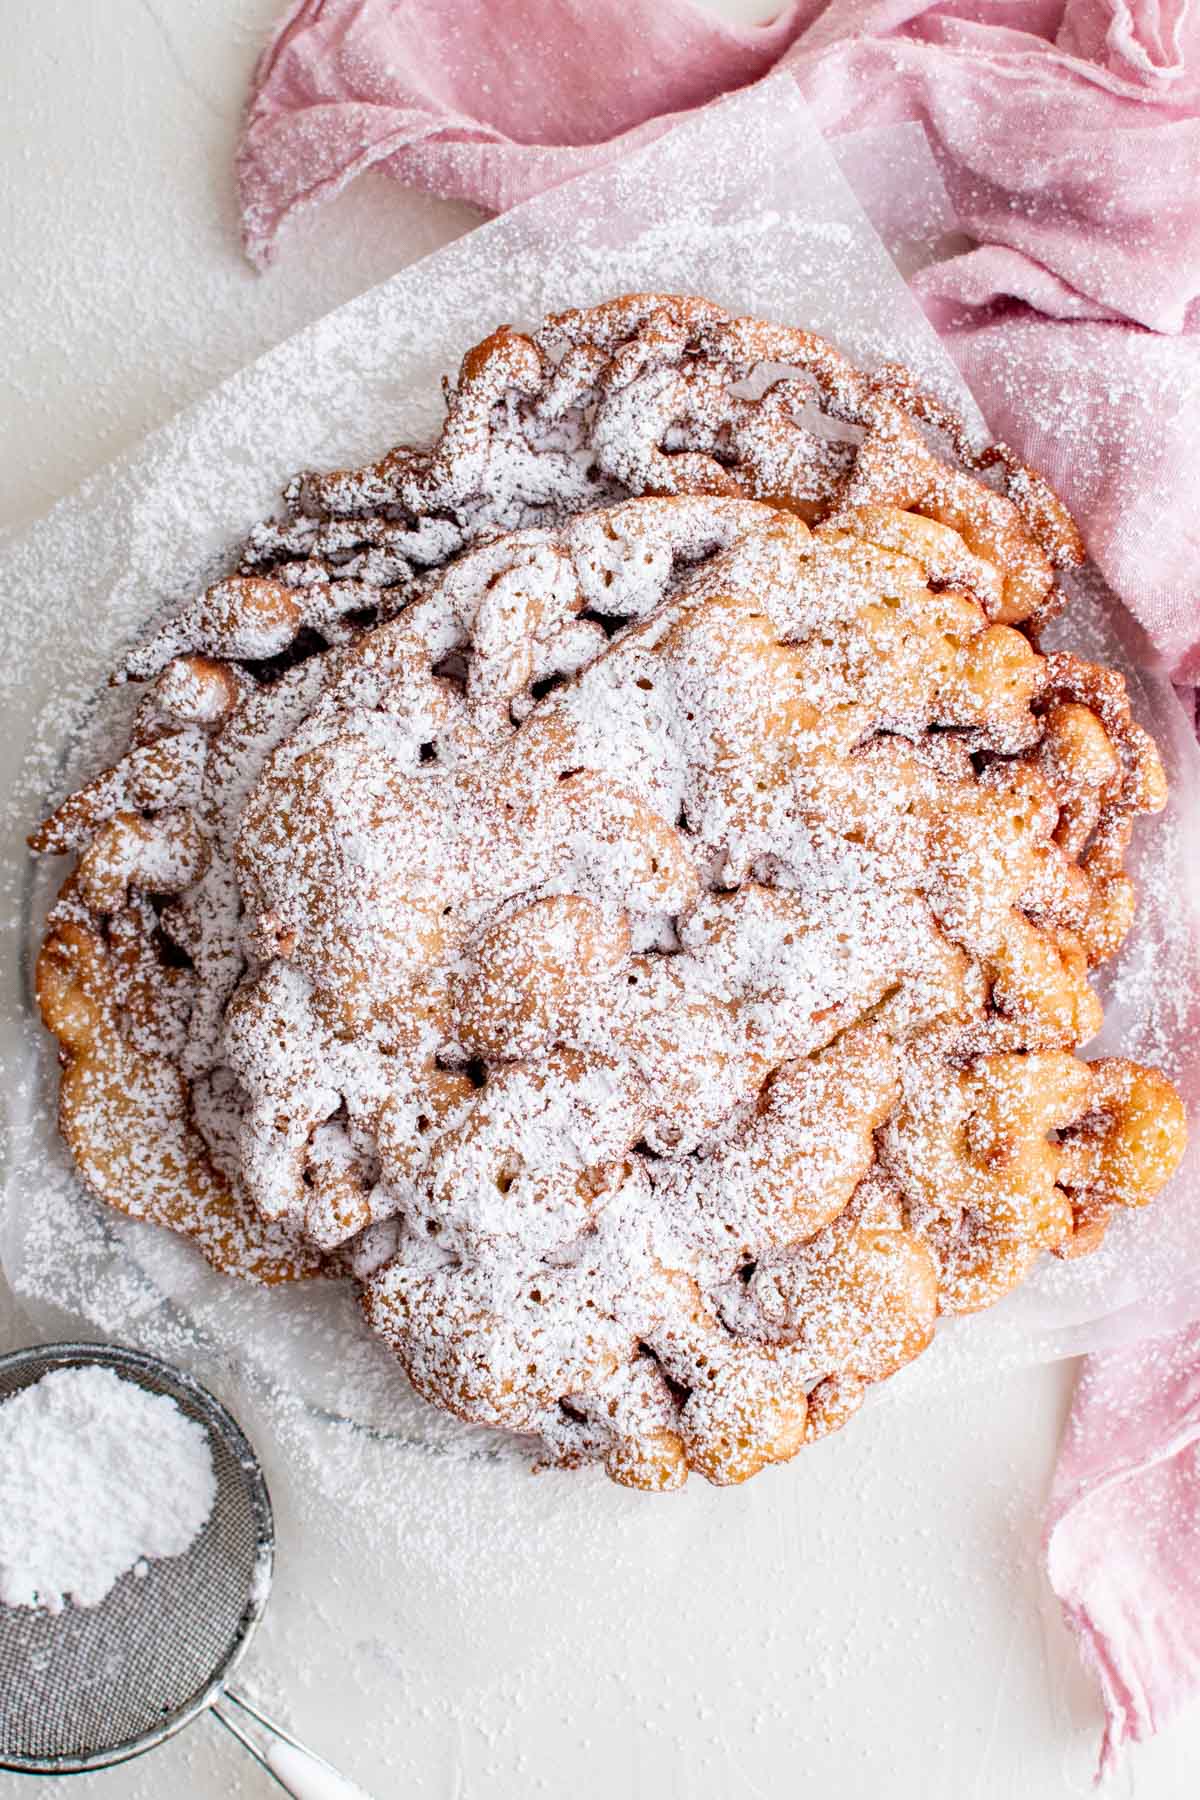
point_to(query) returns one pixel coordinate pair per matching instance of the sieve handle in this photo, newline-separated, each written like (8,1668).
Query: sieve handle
(298,1771)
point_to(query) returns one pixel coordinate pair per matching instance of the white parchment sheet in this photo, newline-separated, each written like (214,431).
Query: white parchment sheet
(744,204)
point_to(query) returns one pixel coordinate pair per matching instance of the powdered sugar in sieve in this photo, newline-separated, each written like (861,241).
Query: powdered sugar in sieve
(123,1617)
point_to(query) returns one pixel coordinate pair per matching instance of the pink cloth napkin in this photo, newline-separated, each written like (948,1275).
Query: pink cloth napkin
(1123,1537)
(1068,135)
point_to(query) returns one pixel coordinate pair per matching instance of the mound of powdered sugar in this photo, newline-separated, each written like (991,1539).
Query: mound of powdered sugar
(97,1477)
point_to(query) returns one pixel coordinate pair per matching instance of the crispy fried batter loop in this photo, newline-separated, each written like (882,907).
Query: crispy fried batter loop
(645,941)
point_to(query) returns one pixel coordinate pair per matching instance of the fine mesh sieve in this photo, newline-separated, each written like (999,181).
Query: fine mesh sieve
(92,1686)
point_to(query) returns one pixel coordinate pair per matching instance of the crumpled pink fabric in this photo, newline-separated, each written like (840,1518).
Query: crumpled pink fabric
(1123,1537)
(1068,136)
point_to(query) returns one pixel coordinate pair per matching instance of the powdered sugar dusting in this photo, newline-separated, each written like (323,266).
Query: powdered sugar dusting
(142,543)
(583,1062)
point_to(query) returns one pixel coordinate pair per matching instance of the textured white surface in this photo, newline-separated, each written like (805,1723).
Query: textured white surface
(921,1654)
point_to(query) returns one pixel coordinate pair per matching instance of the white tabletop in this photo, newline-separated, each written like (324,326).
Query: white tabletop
(893,1634)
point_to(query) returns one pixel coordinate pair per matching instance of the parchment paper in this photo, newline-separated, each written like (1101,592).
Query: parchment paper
(747,205)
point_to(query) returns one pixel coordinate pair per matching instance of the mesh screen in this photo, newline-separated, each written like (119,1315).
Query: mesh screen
(92,1685)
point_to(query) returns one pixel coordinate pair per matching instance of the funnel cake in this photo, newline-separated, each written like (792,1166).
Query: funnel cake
(645,941)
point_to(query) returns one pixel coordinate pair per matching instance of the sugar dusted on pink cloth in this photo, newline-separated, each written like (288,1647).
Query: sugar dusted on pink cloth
(1067,133)
(1123,1539)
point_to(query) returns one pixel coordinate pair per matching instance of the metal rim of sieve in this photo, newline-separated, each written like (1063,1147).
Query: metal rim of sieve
(166,1378)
